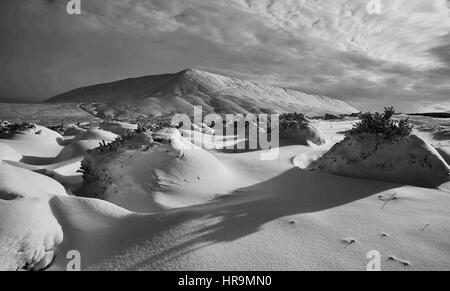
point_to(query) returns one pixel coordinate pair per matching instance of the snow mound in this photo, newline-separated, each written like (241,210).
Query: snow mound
(445,153)
(409,160)
(36,141)
(27,130)
(96,134)
(73,130)
(150,172)
(442,135)
(68,129)
(304,134)
(296,128)
(29,232)
(40,146)
(118,127)
(73,151)
(9,154)
(96,214)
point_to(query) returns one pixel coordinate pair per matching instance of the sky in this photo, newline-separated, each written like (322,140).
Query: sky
(399,56)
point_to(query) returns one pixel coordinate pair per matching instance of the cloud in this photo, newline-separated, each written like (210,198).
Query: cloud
(332,48)
(402,33)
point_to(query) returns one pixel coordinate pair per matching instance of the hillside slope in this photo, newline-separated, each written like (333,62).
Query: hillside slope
(178,93)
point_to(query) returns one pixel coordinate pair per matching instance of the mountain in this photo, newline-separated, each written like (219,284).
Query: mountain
(179,92)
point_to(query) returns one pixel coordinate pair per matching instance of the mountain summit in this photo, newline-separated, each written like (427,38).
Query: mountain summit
(179,92)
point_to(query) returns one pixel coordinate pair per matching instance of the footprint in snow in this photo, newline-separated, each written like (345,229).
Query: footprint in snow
(349,241)
(404,263)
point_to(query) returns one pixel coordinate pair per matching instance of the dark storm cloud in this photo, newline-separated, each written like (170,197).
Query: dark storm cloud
(337,50)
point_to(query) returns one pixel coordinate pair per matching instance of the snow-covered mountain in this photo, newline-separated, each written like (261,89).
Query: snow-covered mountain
(179,92)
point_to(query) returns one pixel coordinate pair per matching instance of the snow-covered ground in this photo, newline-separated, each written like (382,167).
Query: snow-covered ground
(203,209)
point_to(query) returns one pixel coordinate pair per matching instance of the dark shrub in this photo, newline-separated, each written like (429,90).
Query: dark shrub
(382,124)
(6,128)
(292,120)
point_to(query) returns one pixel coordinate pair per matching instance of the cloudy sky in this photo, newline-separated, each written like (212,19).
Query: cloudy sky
(400,57)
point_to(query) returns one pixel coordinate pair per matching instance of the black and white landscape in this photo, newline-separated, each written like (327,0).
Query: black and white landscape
(224,135)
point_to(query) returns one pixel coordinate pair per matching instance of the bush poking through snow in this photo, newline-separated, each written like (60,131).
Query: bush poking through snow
(4,123)
(89,176)
(383,149)
(383,125)
(96,182)
(295,127)
(7,128)
(293,120)
(332,117)
(153,125)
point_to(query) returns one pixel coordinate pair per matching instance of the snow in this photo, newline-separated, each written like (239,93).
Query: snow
(118,127)
(304,135)
(409,160)
(154,177)
(445,153)
(8,153)
(209,210)
(29,230)
(180,92)
(95,135)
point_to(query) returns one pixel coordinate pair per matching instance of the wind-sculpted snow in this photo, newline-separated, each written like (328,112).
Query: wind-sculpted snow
(153,171)
(298,129)
(445,153)
(29,232)
(8,153)
(166,204)
(405,160)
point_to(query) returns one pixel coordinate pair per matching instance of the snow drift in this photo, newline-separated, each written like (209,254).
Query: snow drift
(118,127)
(276,216)
(95,134)
(407,160)
(8,153)
(445,153)
(303,134)
(153,171)
(29,232)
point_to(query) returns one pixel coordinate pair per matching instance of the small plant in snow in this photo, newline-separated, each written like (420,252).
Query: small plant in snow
(382,124)
(292,120)
(8,128)
(89,175)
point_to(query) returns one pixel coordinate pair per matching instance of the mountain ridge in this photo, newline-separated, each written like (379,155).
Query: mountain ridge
(179,92)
